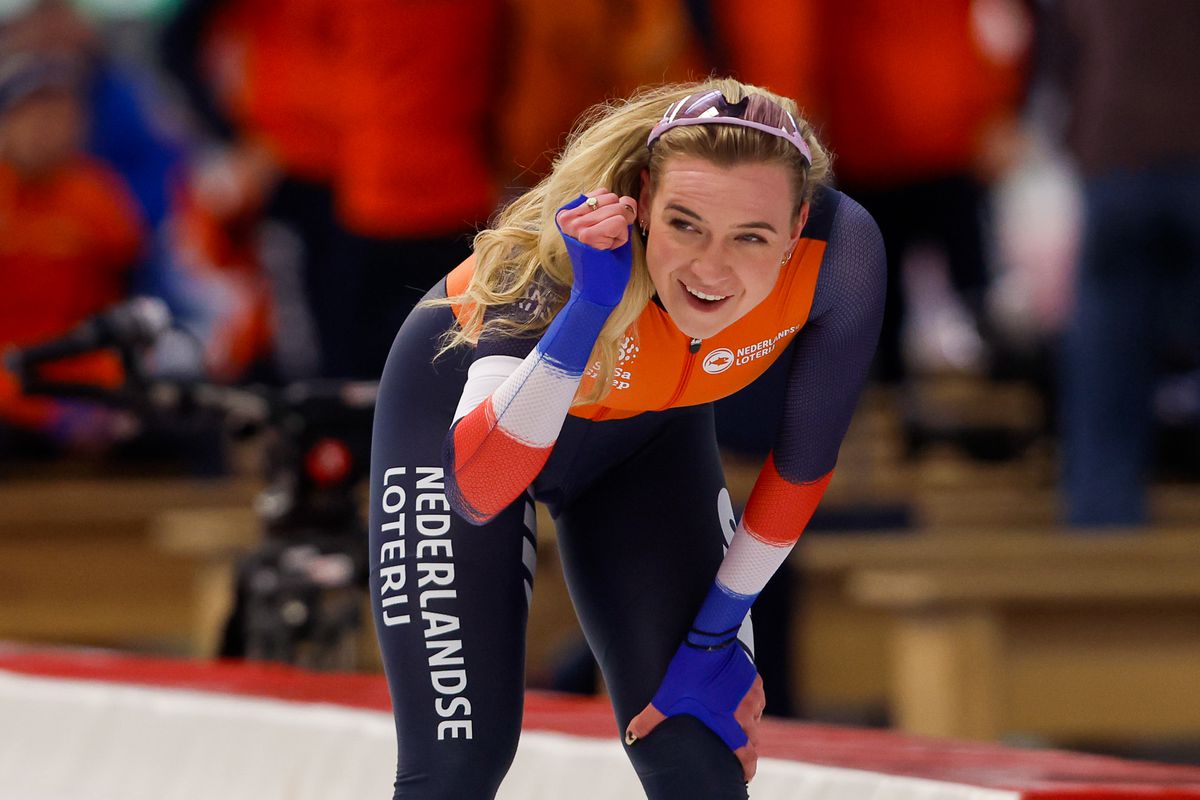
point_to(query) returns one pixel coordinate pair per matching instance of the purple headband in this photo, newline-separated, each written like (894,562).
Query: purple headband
(711,107)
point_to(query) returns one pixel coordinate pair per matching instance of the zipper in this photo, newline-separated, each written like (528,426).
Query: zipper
(693,349)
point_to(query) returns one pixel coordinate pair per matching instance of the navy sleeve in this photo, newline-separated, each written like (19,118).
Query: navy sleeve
(833,350)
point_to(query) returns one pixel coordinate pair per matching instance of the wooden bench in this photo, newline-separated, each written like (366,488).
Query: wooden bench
(102,508)
(1069,636)
(137,563)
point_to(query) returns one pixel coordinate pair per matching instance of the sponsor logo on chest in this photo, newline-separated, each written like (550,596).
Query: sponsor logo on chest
(722,358)
(714,362)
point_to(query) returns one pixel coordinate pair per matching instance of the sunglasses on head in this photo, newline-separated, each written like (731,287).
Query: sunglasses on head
(752,111)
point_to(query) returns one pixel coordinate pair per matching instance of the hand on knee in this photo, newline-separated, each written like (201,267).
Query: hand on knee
(719,687)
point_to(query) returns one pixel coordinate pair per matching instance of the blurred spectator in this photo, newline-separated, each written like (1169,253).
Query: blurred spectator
(1132,78)
(262,78)
(121,130)
(920,101)
(562,58)
(230,299)
(69,235)
(416,174)
(358,130)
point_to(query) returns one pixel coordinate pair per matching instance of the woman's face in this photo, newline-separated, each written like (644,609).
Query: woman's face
(717,238)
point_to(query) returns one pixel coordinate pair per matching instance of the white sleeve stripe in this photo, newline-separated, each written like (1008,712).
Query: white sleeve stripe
(750,563)
(484,377)
(531,404)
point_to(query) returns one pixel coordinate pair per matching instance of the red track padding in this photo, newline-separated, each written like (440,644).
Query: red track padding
(1035,774)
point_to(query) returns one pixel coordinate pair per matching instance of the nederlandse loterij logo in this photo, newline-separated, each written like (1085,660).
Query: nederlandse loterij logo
(718,360)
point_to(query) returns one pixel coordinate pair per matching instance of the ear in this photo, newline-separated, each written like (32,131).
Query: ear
(798,227)
(644,196)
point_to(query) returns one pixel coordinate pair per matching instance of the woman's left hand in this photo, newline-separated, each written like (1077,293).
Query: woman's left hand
(599,219)
(699,683)
(595,230)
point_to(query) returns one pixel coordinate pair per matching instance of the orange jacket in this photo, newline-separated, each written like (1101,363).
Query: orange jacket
(418,83)
(913,88)
(898,88)
(566,57)
(275,66)
(776,44)
(66,245)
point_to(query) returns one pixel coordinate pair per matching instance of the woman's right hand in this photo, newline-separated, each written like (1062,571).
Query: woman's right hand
(597,241)
(721,688)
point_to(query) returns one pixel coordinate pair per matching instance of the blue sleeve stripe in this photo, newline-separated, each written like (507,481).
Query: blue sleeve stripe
(568,342)
(721,614)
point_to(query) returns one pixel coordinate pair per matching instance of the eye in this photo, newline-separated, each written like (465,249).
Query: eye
(751,238)
(680,224)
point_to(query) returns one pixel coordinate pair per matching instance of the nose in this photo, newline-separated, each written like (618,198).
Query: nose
(711,265)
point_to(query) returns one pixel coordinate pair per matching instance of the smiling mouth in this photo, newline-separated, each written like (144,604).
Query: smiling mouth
(708,298)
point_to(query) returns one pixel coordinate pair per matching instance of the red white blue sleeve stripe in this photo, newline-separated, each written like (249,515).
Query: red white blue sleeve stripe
(499,444)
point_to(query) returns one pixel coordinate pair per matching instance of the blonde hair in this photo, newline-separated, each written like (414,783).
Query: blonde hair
(608,148)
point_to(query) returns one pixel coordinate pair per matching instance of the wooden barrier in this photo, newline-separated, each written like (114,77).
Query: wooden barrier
(961,629)
(138,563)
(1069,636)
(100,508)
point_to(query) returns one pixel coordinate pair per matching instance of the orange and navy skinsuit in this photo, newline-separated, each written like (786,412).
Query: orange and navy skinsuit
(635,486)
(67,244)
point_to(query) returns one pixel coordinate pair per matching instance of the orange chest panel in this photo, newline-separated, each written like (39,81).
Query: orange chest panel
(659,367)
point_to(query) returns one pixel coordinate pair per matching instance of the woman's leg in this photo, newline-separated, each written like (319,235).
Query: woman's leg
(640,548)
(450,599)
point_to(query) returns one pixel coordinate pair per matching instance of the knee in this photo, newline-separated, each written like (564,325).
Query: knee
(462,773)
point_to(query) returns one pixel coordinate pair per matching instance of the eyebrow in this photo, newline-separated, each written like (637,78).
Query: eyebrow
(688,212)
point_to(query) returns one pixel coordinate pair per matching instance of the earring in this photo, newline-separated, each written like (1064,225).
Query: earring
(642,223)
(786,258)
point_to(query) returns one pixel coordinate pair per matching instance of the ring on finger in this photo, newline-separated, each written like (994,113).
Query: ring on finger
(592,202)
(629,208)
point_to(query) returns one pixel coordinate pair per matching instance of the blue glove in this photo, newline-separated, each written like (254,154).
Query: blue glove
(600,275)
(708,684)
(710,673)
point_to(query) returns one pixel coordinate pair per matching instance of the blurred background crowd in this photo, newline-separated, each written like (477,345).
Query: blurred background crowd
(291,177)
